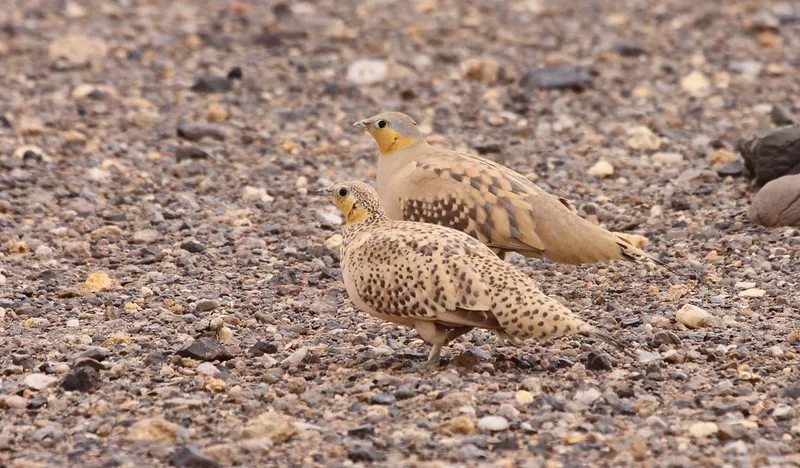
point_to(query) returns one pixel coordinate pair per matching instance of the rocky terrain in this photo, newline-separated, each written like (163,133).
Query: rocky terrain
(168,288)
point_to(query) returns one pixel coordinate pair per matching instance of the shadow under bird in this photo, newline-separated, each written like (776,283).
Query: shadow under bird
(488,201)
(439,281)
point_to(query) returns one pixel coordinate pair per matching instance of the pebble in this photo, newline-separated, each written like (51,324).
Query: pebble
(493,423)
(749,68)
(263,347)
(641,138)
(156,429)
(598,361)
(703,429)
(205,349)
(771,153)
(296,357)
(693,316)
(82,379)
(461,425)
(212,84)
(483,69)
(43,252)
(601,168)
(576,78)
(382,399)
(39,381)
(208,369)
(145,236)
(76,50)
(189,456)
(777,203)
(256,194)
(667,159)
(193,246)
(13,402)
(752,292)
(783,413)
(216,113)
(97,281)
(194,131)
(206,305)
(524,397)
(367,71)
(334,242)
(696,84)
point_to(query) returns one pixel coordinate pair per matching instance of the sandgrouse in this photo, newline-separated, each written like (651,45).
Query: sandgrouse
(438,280)
(488,201)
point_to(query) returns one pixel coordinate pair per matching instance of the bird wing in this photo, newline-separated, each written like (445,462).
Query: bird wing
(422,272)
(501,208)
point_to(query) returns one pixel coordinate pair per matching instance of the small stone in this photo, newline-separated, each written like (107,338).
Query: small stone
(224,334)
(73,323)
(666,338)
(483,69)
(296,358)
(208,369)
(276,426)
(76,50)
(251,194)
(571,77)
(493,423)
(733,169)
(777,203)
(155,430)
(367,71)
(43,252)
(205,349)
(193,246)
(641,138)
(145,236)
(693,316)
(13,402)
(364,453)
(631,48)
(382,399)
(205,305)
(183,153)
(731,431)
(97,281)
(703,429)
(460,425)
(601,168)
(696,84)
(783,413)
(524,397)
(667,159)
(212,84)
(31,126)
(752,292)
(215,385)
(334,242)
(107,232)
(188,456)
(216,113)
(39,381)
(598,361)
(772,153)
(263,347)
(82,379)
(194,131)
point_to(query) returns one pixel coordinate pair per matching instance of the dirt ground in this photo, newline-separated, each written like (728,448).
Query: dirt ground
(149,201)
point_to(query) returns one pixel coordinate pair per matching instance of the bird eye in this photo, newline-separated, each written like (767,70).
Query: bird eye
(342,192)
(382,124)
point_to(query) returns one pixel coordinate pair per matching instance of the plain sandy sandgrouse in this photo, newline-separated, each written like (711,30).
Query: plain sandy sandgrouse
(438,280)
(488,201)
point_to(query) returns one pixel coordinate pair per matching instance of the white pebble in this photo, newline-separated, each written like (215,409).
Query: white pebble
(493,423)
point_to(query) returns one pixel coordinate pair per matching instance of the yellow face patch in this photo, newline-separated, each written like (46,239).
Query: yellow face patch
(390,141)
(353,214)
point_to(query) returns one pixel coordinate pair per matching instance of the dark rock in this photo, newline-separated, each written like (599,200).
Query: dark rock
(205,305)
(191,457)
(471,358)
(777,203)
(771,154)
(382,399)
(82,379)
(37,402)
(212,84)
(205,349)
(89,362)
(506,443)
(653,372)
(364,453)
(488,148)
(721,408)
(156,358)
(194,131)
(362,431)
(193,246)
(263,347)
(666,337)
(404,392)
(631,48)
(235,73)
(791,392)
(735,168)
(631,322)
(781,115)
(598,361)
(183,153)
(729,431)
(96,352)
(572,77)
(24,361)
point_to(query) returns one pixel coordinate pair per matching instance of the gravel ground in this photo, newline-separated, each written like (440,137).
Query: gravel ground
(167,296)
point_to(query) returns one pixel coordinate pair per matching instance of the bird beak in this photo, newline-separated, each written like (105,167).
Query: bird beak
(360,124)
(323,191)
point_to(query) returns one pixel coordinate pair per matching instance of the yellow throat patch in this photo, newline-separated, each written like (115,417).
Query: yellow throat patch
(390,141)
(353,214)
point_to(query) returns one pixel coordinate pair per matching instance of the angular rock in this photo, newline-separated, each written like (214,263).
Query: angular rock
(81,379)
(598,361)
(188,456)
(39,381)
(573,77)
(772,153)
(777,203)
(205,349)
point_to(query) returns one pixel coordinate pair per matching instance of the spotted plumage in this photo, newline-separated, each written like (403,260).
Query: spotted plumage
(486,200)
(438,280)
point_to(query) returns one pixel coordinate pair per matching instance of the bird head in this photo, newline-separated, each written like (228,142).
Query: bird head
(392,130)
(356,200)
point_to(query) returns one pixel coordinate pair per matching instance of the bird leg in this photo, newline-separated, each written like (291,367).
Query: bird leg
(438,336)
(506,339)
